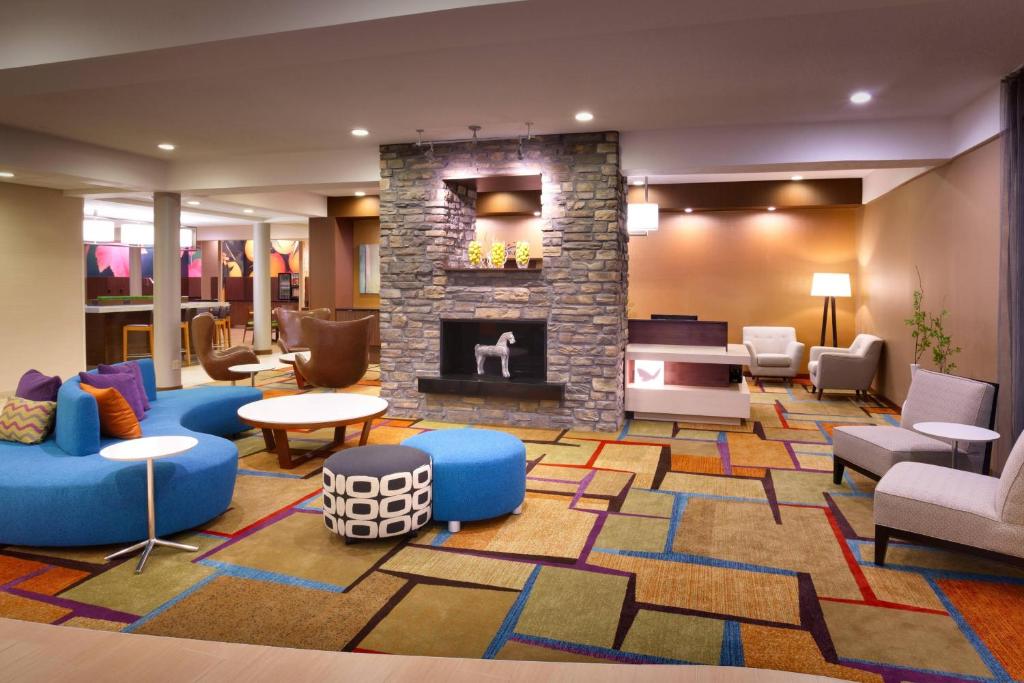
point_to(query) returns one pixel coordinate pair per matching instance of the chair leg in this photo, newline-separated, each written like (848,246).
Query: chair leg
(820,393)
(881,544)
(837,471)
(188,346)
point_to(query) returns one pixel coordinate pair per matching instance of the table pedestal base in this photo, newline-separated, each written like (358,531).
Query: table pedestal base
(276,441)
(149,543)
(147,547)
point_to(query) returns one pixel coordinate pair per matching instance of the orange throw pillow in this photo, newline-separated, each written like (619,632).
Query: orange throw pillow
(117,419)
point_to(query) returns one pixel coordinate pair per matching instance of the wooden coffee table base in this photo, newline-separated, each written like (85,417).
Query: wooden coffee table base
(277,442)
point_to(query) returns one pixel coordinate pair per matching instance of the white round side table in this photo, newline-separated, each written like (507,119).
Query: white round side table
(149,449)
(252,369)
(956,432)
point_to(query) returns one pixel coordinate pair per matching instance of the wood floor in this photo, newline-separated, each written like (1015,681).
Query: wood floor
(40,652)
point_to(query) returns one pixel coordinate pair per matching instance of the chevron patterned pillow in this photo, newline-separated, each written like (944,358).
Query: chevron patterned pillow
(26,421)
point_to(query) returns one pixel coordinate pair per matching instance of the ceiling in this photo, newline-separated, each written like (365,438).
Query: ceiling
(298,76)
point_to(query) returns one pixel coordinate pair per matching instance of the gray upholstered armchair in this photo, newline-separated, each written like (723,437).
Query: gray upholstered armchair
(774,351)
(845,368)
(933,397)
(967,511)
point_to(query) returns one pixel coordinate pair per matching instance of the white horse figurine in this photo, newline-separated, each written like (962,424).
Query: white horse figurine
(499,350)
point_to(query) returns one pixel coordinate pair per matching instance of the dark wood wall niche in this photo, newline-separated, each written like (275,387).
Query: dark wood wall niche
(527,361)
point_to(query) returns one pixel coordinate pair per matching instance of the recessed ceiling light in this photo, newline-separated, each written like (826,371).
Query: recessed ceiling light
(246,210)
(360,193)
(6,174)
(360,132)
(536,214)
(192,203)
(771,208)
(860,97)
(688,210)
(166,146)
(584,116)
(639,182)
(797,178)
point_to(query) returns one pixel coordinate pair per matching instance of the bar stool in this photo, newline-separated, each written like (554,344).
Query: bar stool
(148,329)
(221,327)
(135,327)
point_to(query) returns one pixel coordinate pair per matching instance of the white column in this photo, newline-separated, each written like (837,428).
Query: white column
(167,289)
(261,287)
(303,270)
(135,271)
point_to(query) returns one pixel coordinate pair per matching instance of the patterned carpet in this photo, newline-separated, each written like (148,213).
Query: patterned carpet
(663,543)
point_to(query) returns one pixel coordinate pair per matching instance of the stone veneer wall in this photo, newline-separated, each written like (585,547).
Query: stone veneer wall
(427,219)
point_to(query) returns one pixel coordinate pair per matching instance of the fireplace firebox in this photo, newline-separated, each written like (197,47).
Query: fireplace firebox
(527,360)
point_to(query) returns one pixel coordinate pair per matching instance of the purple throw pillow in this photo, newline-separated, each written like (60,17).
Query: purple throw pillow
(35,386)
(123,383)
(130,368)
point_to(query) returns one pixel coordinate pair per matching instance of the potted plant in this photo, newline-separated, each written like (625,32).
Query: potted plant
(942,346)
(920,331)
(929,332)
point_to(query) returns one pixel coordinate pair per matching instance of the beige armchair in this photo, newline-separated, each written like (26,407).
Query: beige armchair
(854,368)
(774,351)
(933,397)
(952,508)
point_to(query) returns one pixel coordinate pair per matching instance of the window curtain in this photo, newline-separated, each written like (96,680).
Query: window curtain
(1012,359)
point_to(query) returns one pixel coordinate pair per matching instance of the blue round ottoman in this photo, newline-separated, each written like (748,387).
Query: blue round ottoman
(478,473)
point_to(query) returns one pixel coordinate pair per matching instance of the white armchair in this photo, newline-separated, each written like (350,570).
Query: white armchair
(845,368)
(965,511)
(774,351)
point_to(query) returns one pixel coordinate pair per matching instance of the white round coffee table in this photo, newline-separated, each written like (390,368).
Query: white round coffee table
(149,449)
(252,369)
(310,411)
(957,433)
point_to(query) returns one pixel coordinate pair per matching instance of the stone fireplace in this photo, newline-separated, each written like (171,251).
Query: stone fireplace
(567,311)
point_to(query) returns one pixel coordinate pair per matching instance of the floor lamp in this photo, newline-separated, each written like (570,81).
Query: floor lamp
(830,286)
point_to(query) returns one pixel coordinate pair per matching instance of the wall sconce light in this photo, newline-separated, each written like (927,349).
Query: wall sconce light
(642,218)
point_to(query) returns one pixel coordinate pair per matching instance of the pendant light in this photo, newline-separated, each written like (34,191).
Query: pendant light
(642,218)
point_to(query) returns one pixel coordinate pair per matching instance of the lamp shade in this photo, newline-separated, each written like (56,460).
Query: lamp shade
(137,234)
(97,230)
(831,284)
(641,218)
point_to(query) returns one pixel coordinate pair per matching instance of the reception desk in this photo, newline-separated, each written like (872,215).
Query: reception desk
(104,322)
(680,371)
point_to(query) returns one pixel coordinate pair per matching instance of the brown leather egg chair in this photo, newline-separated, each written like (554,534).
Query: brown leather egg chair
(214,362)
(289,327)
(339,352)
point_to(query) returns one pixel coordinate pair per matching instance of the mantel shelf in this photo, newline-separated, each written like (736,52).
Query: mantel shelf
(466,269)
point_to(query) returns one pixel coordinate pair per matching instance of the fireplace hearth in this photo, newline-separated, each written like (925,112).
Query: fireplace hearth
(527,363)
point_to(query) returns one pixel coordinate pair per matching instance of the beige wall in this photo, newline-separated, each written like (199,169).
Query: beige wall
(746,268)
(945,222)
(43,283)
(365,231)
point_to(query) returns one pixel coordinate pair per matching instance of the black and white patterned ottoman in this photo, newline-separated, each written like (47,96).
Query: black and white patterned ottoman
(377,491)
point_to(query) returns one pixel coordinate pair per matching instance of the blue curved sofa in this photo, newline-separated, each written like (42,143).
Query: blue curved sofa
(62,493)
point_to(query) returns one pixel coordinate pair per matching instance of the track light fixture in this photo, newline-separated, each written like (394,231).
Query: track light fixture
(520,152)
(475,128)
(429,154)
